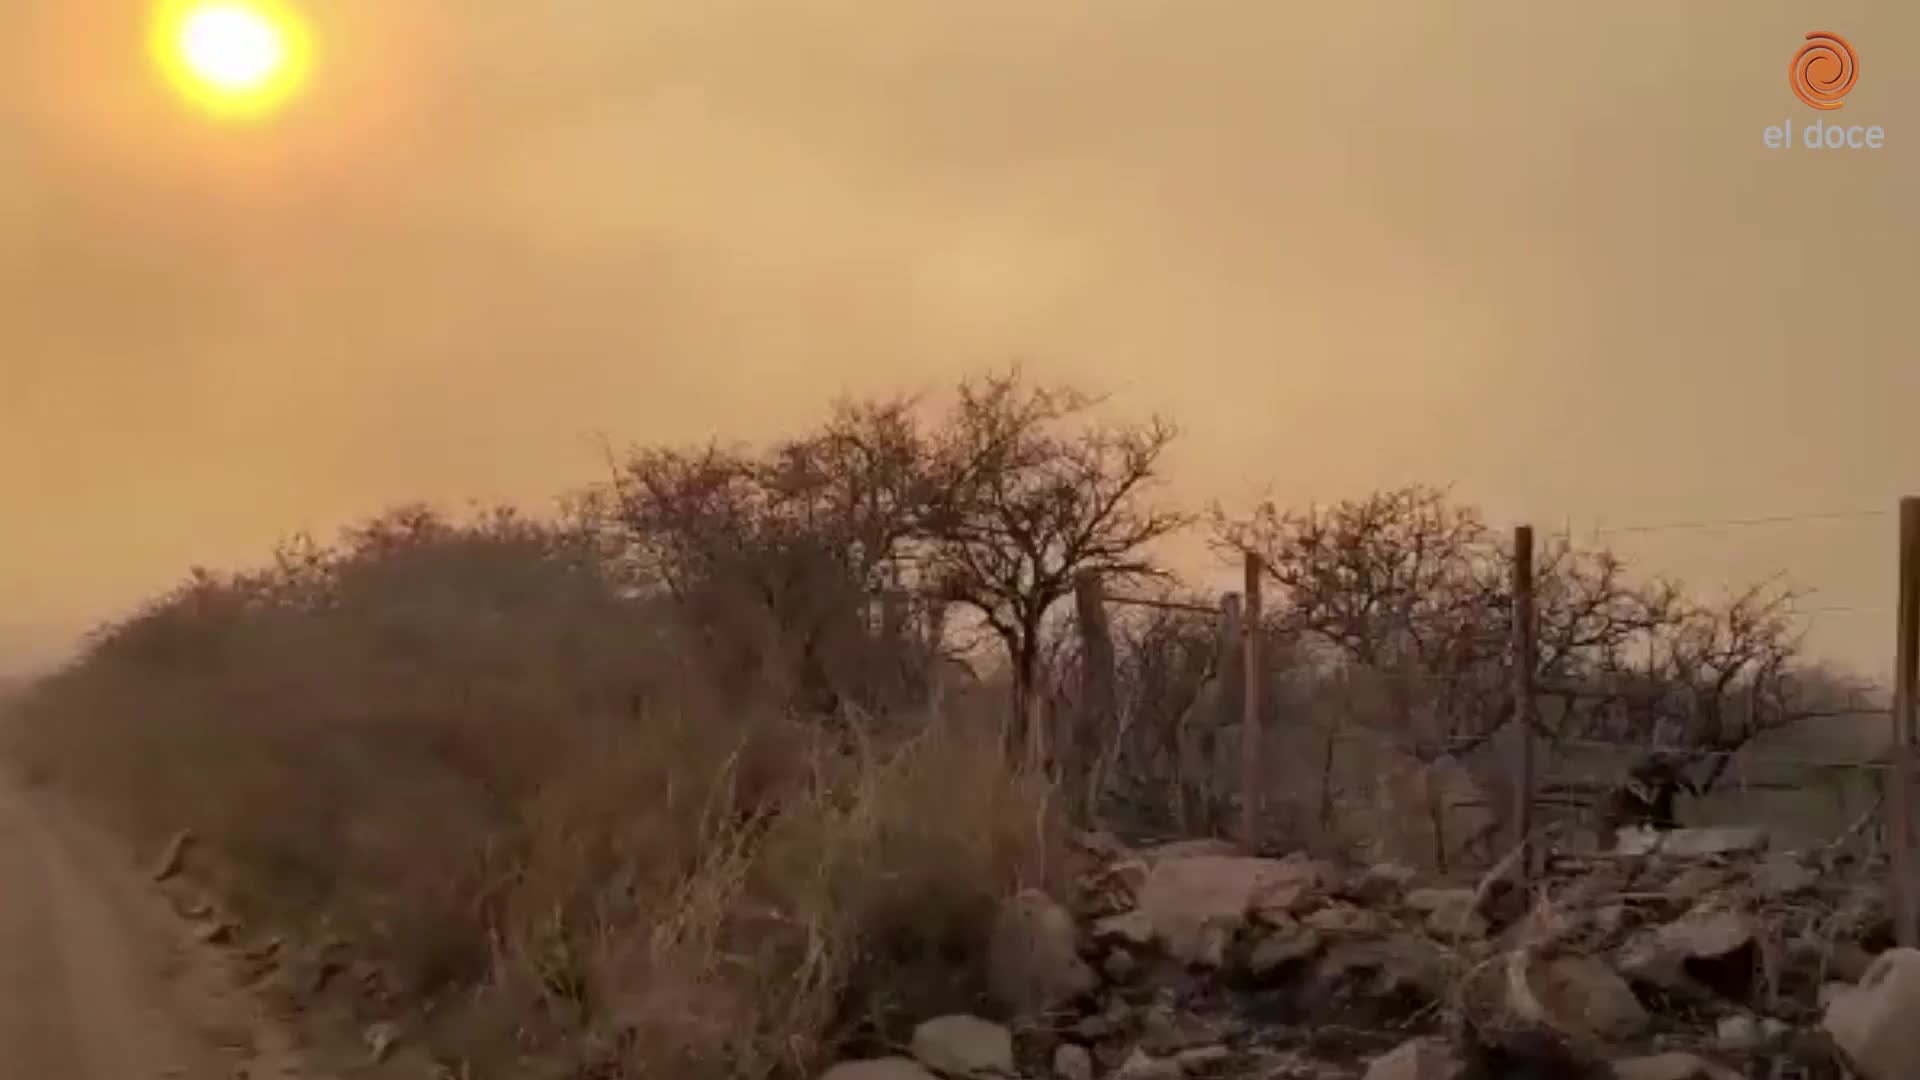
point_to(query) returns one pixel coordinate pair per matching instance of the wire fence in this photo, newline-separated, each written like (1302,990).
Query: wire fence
(1837,774)
(1810,783)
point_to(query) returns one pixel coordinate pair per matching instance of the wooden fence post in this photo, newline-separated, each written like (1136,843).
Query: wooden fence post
(1252,776)
(1900,752)
(1523,646)
(1098,706)
(1210,801)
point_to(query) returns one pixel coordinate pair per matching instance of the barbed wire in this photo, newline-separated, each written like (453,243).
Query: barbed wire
(1164,605)
(1739,754)
(1741,523)
(1843,609)
(1213,609)
(1362,733)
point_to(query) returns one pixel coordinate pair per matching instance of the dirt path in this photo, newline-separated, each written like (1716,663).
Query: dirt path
(99,980)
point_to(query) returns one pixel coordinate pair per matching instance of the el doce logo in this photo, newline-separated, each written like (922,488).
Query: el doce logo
(1823,72)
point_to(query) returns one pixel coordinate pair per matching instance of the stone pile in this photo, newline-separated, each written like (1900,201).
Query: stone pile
(1691,955)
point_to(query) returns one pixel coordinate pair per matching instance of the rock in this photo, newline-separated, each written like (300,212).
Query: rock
(1610,919)
(1132,927)
(1195,903)
(1094,1028)
(1691,843)
(1847,962)
(1160,1032)
(1112,886)
(1671,1067)
(174,856)
(893,1068)
(1429,900)
(1710,934)
(1862,914)
(380,1039)
(1119,965)
(1200,1060)
(1383,977)
(1782,876)
(1072,1062)
(964,1046)
(1142,1066)
(1033,959)
(1310,880)
(1382,883)
(1695,882)
(1418,1059)
(1707,949)
(1740,1033)
(1573,995)
(1809,1053)
(1449,912)
(1873,1025)
(217,932)
(1458,924)
(1281,947)
(1346,920)
(1166,1029)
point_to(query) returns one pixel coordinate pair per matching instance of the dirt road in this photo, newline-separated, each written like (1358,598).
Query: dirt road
(99,980)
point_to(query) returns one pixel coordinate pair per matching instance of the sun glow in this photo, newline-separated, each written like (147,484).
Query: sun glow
(232,57)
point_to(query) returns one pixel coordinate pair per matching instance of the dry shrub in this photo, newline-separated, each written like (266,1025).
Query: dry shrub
(860,900)
(525,798)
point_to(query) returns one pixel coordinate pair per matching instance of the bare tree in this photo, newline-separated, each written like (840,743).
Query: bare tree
(1717,677)
(995,505)
(860,489)
(1038,492)
(868,482)
(1175,666)
(1415,587)
(1399,576)
(789,550)
(1404,583)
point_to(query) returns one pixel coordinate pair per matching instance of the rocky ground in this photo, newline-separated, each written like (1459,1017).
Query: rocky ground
(1675,956)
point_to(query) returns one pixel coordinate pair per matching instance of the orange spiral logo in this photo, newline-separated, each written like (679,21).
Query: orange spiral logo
(1824,70)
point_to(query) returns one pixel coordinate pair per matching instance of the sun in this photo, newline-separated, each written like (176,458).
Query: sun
(232,57)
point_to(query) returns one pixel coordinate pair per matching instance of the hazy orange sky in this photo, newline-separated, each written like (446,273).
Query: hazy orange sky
(1536,251)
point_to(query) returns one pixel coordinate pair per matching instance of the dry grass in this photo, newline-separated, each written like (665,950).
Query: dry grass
(569,845)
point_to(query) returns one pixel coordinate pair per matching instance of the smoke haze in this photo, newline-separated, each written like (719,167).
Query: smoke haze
(1539,253)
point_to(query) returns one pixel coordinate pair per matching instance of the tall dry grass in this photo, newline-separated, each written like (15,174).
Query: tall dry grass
(568,840)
